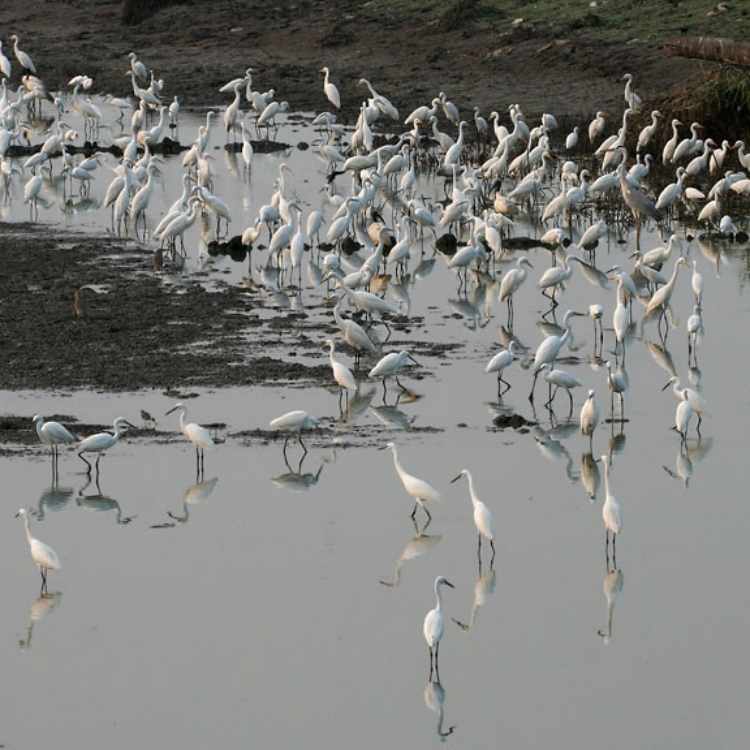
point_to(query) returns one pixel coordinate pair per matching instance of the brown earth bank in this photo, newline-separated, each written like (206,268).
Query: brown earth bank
(406,53)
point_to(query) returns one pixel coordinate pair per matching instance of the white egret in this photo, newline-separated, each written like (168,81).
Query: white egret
(499,363)
(420,491)
(695,399)
(589,418)
(391,365)
(4,63)
(551,347)
(682,415)
(611,513)
(44,557)
(23,58)
(596,127)
(434,625)
(596,313)
(101,442)
(330,90)
(663,295)
(482,517)
(52,434)
(341,373)
(618,382)
(199,436)
(560,379)
(354,334)
(294,421)
(697,284)
(512,282)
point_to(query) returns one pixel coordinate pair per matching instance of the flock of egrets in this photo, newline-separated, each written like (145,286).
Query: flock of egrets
(527,174)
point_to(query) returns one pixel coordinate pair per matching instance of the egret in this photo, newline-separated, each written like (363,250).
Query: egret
(199,436)
(618,383)
(482,517)
(695,399)
(434,625)
(422,492)
(671,144)
(596,313)
(4,63)
(551,347)
(697,284)
(499,363)
(512,282)
(391,365)
(330,90)
(620,319)
(682,416)
(102,441)
(560,379)
(44,557)
(663,295)
(354,334)
(589,418)
(596,127)
(23,58)
(341,373)
(52,434)
(294,421)
(647,133)
(611,514)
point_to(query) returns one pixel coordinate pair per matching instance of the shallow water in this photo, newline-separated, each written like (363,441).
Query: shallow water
(259,616)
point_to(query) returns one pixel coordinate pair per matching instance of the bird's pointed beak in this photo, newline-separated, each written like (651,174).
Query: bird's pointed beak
(130,424)
(382,447)
(414,361)
(448,583)
(174,408)
(18,515)
(669,382)
(455,479)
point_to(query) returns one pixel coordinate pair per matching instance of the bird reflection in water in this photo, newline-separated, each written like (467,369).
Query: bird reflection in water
(612,588)
(295,480)
(590,477)
(484,588)
(420,544)
(434,699)
(39,609)
(194,495)
(687,456)
(54,498)
(98,501)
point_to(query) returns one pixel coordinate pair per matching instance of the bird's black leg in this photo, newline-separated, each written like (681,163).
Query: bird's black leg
(88,471)
(304,447)
(414,512)
(492,559)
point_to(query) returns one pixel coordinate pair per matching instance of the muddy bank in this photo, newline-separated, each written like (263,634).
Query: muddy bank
(415,53)
(137,328)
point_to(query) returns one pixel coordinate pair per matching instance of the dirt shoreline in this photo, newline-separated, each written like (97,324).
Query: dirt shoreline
(407,56)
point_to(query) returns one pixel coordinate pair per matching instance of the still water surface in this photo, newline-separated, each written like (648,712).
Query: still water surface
(258,616)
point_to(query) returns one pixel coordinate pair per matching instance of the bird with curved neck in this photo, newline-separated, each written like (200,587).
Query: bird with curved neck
(44,557)
(434,626)
(611,514)
(198,435)
(422,492)
(101,442)
(482,518)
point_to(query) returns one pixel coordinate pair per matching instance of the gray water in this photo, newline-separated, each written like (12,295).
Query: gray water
(259,616)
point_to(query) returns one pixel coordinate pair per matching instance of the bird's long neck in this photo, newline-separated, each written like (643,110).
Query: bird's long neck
(182,417)
(27,527)
(676,389)
(471,488)
(606,477)
(396,462)
(438,598)
(38,425)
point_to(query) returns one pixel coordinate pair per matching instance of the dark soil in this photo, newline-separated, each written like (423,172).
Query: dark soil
(135,331)
(197,47)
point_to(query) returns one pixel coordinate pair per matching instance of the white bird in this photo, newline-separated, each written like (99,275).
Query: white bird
(354,334)
(420,491)
(294,421)
(512,282)
(434,625)
(682,415)
(589,418)
(482,516)
(391,365)
(697,284)
(572,139)
(4,63)
(560,379)
(596,127)
(44,557)
(611,511)
(199,436)
(502,360)
(695,399)
(663,294)
(52,434)
(341,373)
(102,441)
(551,347)
(330,90)
(23,58)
